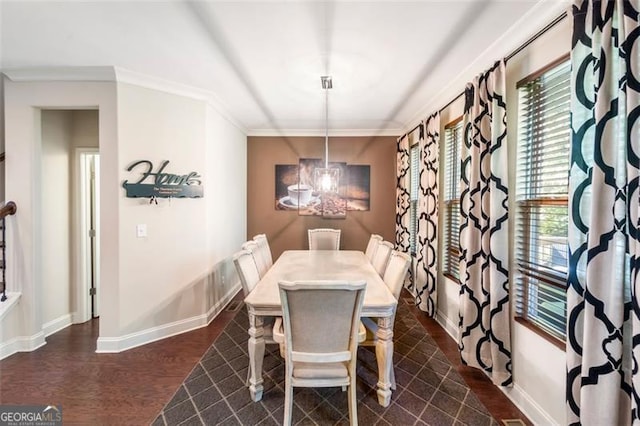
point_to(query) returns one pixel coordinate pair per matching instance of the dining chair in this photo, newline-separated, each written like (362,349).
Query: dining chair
(247,270)
(249,277)
(381,256)
(324,239)
(372,246)
(265,250)
(321,321)
(396,272)
(394,277)
(261,263)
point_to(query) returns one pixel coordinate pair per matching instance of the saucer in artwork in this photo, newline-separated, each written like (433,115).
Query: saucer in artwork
(288,203)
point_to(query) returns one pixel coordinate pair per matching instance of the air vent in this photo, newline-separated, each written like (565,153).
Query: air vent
(513,422)
(233,306)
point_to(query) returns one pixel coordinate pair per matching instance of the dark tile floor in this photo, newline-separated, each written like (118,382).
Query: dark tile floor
(429,390)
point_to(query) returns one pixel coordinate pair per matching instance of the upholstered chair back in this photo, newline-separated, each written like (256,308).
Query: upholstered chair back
(396,272)
(372,246)
(324,239)
(247,270)
(381,257)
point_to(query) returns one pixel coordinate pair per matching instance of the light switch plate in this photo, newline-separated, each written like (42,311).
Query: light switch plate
(141,230)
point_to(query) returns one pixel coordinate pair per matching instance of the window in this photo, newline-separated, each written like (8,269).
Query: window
(451,221)
(414,155)
(542,171)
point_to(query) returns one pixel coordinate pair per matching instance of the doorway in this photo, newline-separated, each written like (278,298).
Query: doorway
(89,223)
(69,216)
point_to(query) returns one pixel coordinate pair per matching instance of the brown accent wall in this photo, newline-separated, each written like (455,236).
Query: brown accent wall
(286,230)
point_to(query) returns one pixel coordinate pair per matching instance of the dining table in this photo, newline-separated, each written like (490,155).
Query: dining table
(317,265)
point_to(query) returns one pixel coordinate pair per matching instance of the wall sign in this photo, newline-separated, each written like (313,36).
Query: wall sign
(162,184)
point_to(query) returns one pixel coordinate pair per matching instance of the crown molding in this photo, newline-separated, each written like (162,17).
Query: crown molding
(544,12)
(105,74)
(155,83)
(321,132)
(120,75)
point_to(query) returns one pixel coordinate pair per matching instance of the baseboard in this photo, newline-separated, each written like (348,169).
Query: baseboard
(528,405)
(22,344)
(133,340)
(516,394)
(76,318)
(449,326)
(56,325)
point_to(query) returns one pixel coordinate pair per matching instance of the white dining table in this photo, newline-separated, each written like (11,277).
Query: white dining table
(303,265)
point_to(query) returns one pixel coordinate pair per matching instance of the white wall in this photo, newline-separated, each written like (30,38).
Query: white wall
(226,201)
(56,201)
(84,128)
(539,366)
(161,275)
(181,274)
(2,141)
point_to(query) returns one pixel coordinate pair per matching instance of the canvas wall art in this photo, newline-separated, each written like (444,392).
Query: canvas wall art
(296,189)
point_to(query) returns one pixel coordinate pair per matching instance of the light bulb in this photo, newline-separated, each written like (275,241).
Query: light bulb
(326,182)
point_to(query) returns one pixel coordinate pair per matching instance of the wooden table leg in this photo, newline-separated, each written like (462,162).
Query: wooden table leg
(256,355)
(384,356)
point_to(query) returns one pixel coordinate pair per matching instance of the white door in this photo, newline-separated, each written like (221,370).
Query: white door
(94,231)
(88,281)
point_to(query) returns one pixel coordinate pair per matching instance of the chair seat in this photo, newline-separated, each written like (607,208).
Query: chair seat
(267,324)
(277,330)
(362,331)
(368,336)
(320,370)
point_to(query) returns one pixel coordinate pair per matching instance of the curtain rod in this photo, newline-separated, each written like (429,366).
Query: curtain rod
(506,59)
(440,110)
(414,129)
(536,36)
(451,101)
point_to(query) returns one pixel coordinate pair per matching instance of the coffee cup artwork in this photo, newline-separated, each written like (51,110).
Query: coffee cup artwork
(300,194)
(293,194)
(298,189)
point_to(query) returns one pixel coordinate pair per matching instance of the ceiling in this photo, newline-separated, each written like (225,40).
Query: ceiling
(390,60)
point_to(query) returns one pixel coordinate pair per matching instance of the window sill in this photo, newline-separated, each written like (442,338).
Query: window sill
(451,277)
(560,344)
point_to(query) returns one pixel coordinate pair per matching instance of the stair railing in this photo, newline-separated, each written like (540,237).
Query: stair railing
(8,209)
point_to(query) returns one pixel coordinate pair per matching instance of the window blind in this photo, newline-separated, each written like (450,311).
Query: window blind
(451,221)
(414,155)
(541,199)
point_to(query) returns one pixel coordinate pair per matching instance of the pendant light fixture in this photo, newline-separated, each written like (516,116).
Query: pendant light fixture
(327,178)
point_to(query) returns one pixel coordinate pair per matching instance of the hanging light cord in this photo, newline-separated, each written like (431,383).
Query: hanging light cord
(326,128)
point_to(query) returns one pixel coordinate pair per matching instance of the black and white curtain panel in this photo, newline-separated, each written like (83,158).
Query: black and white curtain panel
(484,326)
(427,241)
(603,304)
(403,196)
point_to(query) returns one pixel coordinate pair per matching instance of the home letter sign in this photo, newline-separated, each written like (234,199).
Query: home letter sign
(161,184)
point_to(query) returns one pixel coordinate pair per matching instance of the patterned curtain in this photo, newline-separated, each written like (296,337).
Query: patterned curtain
(403,197)
(484,326)
(603,304)
(427,242)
